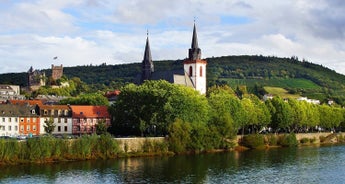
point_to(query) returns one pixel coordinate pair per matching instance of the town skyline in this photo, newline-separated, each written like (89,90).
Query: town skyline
(41,33)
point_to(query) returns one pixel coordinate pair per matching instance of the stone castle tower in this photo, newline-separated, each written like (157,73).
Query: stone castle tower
(36,79)
(194,66)
(57,72)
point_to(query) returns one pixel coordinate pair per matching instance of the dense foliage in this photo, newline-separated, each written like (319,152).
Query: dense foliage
(159,108)
(151,107)
(48,149)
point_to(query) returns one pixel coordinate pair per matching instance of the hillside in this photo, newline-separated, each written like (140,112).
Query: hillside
(297,77)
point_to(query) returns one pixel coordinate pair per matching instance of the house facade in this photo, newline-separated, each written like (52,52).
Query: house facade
(85,118)
(18,120)
(61,115)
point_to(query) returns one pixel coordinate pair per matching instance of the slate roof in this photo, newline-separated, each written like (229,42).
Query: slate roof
(10,110)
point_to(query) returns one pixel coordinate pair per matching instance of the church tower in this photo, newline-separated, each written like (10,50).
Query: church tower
(147,64)
(194,66)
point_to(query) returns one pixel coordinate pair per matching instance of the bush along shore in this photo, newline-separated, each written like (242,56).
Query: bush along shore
(50,149)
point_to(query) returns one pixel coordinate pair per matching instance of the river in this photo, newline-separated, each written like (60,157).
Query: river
(281,165)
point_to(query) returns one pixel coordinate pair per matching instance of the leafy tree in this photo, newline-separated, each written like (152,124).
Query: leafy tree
(158,104)
(49,125)
(101,127)
(86,99)
(226,112)
(282,117)
(298,113)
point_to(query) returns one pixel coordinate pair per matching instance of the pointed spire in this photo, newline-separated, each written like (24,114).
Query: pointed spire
(147,53)
(194,51)
(195,38)
(147,64)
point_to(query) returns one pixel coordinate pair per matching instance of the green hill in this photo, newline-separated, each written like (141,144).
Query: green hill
(297,77)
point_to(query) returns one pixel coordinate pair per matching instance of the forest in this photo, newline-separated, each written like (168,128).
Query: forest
(255,72)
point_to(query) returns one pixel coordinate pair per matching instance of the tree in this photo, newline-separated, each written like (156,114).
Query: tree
(157,104)
(101,127)
(49,125)
(226,112)
(282,116)
(86,99)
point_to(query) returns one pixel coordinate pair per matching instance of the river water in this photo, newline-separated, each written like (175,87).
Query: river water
(281,165)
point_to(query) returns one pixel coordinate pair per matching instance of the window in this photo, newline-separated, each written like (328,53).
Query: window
(45,112)
(33,111)
(34,120)
(28,128)
(59,128)
(34,128)
(65,128)
(59,120)
(200,71)
(21,119)
(66,112)
(52,112)
(21,127)
(9,119)
(28,120)
(16,120)
(16,128)
(3,119)
(190,71)
(9,128)
(59,112)
(65,120)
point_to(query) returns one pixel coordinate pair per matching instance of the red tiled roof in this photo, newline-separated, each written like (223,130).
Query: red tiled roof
(79,111)
(109,94)
(21,102)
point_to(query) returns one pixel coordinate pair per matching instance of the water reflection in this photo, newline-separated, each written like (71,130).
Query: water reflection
(283,165)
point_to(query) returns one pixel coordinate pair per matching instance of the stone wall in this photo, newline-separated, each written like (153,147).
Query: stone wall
(300,136)
(136,144)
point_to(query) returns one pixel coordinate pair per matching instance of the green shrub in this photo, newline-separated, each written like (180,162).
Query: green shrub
(322,138)
(271,139)
(313,140)
(288,140)
(304,140)
(253,141)
(340,138)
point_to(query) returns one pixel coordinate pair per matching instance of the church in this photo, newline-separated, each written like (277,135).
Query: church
(192,75)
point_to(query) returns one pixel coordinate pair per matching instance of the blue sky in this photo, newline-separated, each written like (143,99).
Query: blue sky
(83,32)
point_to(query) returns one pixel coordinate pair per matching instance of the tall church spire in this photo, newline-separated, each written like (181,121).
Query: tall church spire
(194,66)
(194,39)
(194,51)
(147,64)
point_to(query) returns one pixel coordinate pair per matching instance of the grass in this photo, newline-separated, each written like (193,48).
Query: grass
(283,83)
(276,91)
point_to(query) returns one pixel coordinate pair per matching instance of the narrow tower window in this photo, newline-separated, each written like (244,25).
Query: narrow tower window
(200,71)
(190,71)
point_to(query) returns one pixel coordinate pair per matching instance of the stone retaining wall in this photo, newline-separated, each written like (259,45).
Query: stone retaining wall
(135,144)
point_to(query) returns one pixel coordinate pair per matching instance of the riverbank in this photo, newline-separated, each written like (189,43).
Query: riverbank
(49,149)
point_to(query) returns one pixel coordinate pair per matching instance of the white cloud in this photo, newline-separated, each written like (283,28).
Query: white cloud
(94,31)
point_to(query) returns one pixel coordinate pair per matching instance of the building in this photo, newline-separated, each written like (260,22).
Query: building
(61,115)
(195,66)
(36,79)
(192,74)
(85,118)
(57,72)
(10,92)
(19,119)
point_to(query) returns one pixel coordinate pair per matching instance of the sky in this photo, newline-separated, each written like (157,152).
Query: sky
(40,33)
